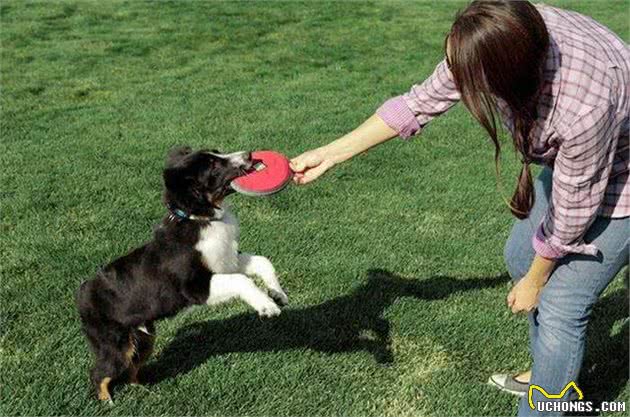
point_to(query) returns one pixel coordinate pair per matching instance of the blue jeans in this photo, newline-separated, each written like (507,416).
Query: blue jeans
(557,328)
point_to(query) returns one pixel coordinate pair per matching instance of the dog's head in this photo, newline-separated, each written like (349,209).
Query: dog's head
(197,181)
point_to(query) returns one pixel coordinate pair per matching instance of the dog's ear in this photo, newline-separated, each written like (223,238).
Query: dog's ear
(176,178)
(182,186)
(175,155)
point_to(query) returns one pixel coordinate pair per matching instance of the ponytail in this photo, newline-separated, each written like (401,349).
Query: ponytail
(523,198)
(497,51)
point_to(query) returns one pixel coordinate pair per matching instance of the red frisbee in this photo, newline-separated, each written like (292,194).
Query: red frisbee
(270,174)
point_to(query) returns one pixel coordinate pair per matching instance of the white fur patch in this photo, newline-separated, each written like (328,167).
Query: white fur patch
(254,265)
(225,287)
(218,244)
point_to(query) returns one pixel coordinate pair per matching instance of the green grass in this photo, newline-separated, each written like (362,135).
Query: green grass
(394,270)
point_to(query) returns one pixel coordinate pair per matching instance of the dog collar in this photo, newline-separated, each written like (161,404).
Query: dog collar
(176,214)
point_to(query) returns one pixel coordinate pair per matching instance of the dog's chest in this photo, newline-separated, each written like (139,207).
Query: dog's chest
(218,244)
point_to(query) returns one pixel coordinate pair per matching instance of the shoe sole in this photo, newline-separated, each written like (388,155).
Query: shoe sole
(502,388)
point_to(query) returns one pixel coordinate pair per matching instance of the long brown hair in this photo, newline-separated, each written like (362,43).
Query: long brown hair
(497,49)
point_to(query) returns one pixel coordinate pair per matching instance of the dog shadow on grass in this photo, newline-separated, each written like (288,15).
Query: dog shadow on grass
(605,370)
(349,323)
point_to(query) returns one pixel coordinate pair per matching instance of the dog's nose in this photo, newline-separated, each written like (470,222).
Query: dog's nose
(247,156)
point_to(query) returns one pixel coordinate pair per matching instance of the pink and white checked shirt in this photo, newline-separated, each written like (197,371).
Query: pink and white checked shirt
(581,130)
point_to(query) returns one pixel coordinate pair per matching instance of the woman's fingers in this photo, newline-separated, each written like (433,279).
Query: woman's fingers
(309,166)
(510,298)
(297,164)
(517,306)
(306,160)
(512,302)
(313,173)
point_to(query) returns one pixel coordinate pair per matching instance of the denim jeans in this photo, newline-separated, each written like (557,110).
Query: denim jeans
(557,328)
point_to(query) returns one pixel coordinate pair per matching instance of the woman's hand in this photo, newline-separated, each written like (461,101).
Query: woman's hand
(524,295)
(311,165)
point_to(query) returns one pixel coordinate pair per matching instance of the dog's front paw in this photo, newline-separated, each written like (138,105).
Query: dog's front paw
(268,309)
(279,297)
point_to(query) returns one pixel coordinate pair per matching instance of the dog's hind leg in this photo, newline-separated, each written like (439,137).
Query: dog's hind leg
(144,340)
(260,266)
(225,287)
(104,372)
(114,357)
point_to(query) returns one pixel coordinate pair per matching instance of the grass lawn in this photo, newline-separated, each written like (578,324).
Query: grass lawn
(393,262)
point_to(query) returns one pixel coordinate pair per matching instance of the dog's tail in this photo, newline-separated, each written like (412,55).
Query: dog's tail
(82,297)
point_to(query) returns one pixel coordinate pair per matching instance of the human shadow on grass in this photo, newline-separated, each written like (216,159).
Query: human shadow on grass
(605,370)
(349,323)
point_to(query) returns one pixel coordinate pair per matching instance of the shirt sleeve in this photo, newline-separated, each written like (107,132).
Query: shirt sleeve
(581,171)
(409,113)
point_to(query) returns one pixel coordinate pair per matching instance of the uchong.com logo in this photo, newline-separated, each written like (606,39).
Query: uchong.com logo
(570,406)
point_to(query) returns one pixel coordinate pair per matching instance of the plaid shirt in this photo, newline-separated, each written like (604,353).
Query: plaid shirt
(581,130)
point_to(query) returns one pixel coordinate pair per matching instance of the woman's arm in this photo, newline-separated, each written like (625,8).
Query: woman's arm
(581,173)
(402,116)
(310,165)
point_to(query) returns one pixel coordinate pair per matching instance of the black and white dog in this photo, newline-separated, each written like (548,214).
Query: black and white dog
(193,258)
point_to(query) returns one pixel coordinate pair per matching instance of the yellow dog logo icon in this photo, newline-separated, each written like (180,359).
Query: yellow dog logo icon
(571,384)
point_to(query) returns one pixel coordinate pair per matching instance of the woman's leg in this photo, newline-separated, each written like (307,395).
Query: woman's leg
(519,252)
(564,307)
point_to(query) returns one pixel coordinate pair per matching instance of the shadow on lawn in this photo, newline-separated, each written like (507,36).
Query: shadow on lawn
(348,323)
(605,371)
